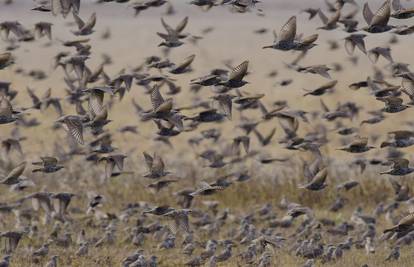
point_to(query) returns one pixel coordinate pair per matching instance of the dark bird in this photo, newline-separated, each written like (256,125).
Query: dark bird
(158,185)
(399,168)
(264,140)
(64,7)
(376,52)
(321,89)
(403,225)
(173,36)
(50,165)
(401,138)
(43,29)
(12,239)
(184,66)
(311,11)
(359,145)
(84,28)
(401,12)
(355,40)
(393,104)
(378,22)
(235,77)
(287,38)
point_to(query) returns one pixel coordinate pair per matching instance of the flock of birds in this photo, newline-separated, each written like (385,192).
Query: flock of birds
(199,229)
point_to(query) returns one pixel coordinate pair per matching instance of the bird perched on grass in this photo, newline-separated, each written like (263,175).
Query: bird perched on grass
(53,262)
(394,254)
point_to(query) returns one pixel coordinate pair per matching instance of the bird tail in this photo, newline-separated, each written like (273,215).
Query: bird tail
(302,186)
(147,116)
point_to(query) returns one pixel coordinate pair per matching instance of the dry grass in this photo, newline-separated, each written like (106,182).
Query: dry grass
(241,199)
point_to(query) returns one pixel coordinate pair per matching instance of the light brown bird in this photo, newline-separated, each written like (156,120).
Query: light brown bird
(6,59)
(112,161)
(15,175)
(206,190)
(181,220)
(155,165)
(73,125)
(318,181)
(403,225)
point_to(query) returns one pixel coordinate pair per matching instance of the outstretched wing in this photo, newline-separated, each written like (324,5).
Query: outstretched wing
(167,27)
(238,73)
(367,13)
(78,21)
(396,5)
(382,16)
(6,109)
(148,160)
(75,128)
(180,27)
(91,22)
(288,31)
(156,97)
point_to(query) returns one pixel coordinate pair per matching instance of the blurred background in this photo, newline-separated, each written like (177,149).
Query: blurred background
(233,38)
